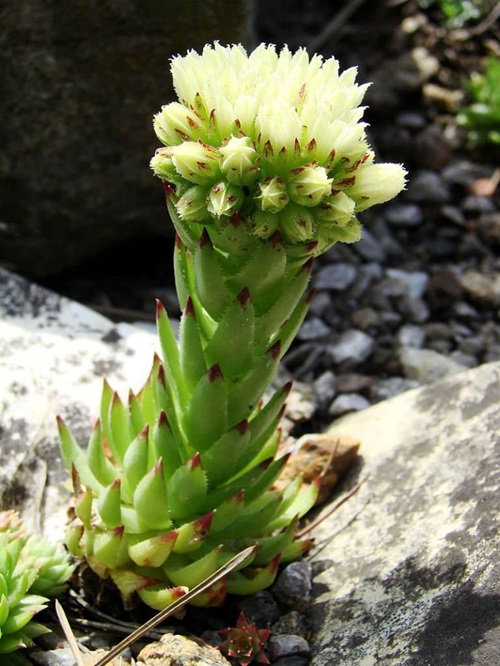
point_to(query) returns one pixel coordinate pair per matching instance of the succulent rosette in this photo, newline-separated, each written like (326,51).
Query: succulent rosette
(31,569)
(265,165)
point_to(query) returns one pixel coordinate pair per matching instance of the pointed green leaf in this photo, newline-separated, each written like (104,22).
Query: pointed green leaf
(102,468)
(210,287)
(232,343)
(245,395)
(290,328)
(205,419)
(252,580)
(253,520)
(119,431)
(194,573)
(282,307)
(135,463)
(220,459)
(274,545)
(182,272)
(151,551)
(109,504)
(150,499)
(74,456)
(110,548)
(192,358)
(263,273)
(227,512)
(298,507)
(192,535)
(136,418)
(174,381)
(164,445)
(187,489)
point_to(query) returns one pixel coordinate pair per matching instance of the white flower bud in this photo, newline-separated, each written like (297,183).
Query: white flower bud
(273,196)
(376,183)
(196,162)
(238,160)
(224,199)
(308,185)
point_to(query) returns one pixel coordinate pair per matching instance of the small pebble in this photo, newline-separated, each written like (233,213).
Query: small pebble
(287,645)
(347,402)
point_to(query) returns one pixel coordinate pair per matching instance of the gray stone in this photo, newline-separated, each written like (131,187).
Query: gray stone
(410,335)
(384,389)
(292,623)
(351,348)
(370,247)
(293,585)
(287,645)
(427,187)
(54,354)
(427,365)
(335,277)
(407,570)
(347,402)
(404,215)
(80,84)
(324,387)
(415,281)
(313,329)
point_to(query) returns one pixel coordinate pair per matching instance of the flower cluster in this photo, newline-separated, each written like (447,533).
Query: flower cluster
(274,138)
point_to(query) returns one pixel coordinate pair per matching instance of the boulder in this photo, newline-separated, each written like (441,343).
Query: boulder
(54,354)
(80,84)
(407,570)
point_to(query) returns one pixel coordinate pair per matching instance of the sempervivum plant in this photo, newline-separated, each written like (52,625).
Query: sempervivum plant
(265,165)
(30,570)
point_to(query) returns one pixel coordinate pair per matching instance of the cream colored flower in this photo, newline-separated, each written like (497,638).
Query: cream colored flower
(283,128)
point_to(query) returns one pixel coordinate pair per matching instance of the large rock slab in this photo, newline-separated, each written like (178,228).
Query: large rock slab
(80,83)
(54,354)
(409,568)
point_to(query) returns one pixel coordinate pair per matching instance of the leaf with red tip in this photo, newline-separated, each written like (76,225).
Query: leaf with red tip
(253,580)
(174,381)
(263,273)
(221,458)
(152,551)
(283,305)
(205,418)
(150,499)
(245,395)
(192,358)
(232,343)
(210,286)
(109,504)
(187,489)
(192,535)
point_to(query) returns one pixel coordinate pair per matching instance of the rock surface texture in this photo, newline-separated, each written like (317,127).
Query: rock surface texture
(54,354)
(80,84)
(407,570)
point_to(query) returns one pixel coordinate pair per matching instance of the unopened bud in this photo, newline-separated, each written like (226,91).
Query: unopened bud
(297,224)
(224,199)
(273,196)
(175,123)
(308,185)
(336,209)
(192,205)
(376,183)
(264,224)
(196,162)
(238,160)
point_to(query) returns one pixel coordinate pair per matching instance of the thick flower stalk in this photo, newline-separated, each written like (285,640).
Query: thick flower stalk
(31,569)
(265,165)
